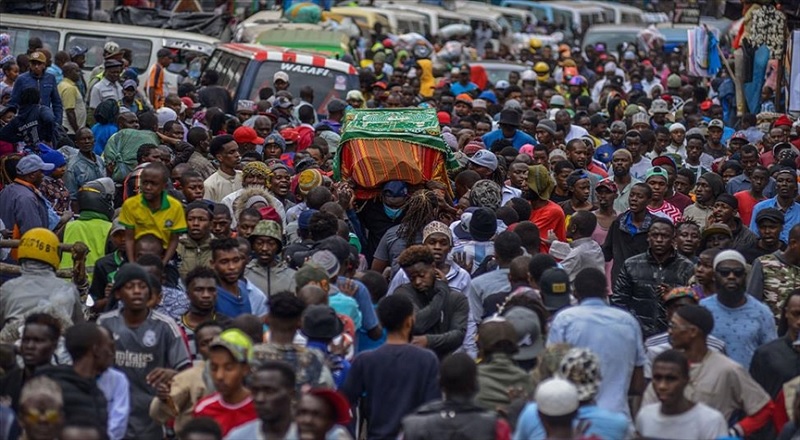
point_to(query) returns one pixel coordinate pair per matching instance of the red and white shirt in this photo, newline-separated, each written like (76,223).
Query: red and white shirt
(227,415)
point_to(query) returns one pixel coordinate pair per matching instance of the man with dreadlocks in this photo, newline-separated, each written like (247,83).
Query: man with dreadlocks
(421,208)
(254,175)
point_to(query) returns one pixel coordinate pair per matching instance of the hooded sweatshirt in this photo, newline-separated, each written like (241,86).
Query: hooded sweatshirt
(83,400)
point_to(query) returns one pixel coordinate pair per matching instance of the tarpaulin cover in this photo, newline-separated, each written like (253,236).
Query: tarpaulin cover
(391,144)
(206,23)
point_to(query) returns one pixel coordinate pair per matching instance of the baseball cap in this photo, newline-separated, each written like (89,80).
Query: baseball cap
(77,51)
(494,331)
(236,342)
(664,160)
(502,85)
(466,99)
(32,163)
(379,84)
(128,83)
(479,103)
(280,76)
(395,188)
(716,123)
(656,171)
(717,228)
(110,48)
(282,102)
(245,105)
(189,103)
(528,331)
(248,135)
(340,405)
(558,100)
(484,158)
(444,118)
(772,214)
(681,292)
(164,52)
(607,184)
(336,105)
(327,261)
(321,322)
(37,57)
(556,397)
(554,286)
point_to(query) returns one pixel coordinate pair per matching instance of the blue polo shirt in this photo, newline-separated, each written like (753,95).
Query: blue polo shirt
(791,216)
(520,138)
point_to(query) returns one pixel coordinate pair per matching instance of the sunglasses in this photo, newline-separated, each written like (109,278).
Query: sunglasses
(32,416)
(726,272)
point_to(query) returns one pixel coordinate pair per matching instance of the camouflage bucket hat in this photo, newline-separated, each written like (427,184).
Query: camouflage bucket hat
(581,367)
(268,228)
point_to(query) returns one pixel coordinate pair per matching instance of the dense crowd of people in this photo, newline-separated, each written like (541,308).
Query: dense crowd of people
(616,255)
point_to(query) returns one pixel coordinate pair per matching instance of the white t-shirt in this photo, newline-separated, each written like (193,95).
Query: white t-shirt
(699,423)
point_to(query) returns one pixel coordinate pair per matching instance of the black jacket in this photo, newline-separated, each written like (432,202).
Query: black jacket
(82,398)
(441,315)
(636,284)
(450,420)
(622,244)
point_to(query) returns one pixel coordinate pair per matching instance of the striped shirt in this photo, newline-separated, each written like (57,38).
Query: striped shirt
(227,415)
(668,211)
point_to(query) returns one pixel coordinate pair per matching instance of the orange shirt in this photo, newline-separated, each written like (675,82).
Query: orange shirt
(549,218)
(155,82)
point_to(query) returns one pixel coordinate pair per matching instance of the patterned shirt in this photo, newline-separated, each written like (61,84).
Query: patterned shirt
(55,191)
(743,329)
(308,363)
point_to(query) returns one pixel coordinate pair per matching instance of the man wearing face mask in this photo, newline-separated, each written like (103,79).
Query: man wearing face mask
(378,216)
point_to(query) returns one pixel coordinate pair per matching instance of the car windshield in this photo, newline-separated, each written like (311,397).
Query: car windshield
(327,84)
(497,72)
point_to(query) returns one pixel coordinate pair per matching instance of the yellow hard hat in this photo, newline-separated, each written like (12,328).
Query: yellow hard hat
(541,68)
(40,244)
(535,43)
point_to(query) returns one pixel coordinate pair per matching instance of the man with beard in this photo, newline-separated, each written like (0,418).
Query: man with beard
(621,161)
(266,270)
(440,314)
(647,277)
(742,322)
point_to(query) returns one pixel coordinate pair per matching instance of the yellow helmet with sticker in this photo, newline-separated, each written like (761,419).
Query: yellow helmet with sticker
(40,244)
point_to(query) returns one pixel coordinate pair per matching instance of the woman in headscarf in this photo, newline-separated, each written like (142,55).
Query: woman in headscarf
(546,214)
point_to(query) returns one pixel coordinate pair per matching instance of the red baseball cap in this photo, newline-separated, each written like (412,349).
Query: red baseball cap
(337,401)
(187,101)
(444,118)
(290,135)
(783,121)
(247,135)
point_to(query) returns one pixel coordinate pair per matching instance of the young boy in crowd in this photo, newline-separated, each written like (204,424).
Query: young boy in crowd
(232,405)
(221,222)
(192,186)
(152,211)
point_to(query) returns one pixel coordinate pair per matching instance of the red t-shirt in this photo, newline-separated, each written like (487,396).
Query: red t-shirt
(227,416)
(746,204)
(550,217)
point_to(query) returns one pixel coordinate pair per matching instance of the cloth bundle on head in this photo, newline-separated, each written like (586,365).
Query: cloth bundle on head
(715,182)
(582,368)
(308,180)
(540,181)
(258,170)
(486,194)
(698,316)
(437,227)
